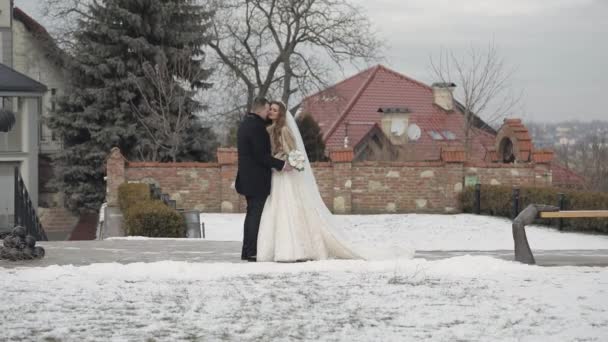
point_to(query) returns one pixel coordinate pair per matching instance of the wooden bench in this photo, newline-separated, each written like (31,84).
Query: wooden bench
(575,214)
(523,253)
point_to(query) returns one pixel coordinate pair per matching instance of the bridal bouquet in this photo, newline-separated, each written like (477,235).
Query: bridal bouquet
(296,159)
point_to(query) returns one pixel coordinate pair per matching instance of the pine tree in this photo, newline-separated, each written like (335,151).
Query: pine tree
(312,137)
(96,113)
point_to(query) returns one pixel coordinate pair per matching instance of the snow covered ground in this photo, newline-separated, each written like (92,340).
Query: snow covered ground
(459,299)
(465,298)
(429,232)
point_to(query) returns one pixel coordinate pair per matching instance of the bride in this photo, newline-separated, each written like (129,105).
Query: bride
(296,225)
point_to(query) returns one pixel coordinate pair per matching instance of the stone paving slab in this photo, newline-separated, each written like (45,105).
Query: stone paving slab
(80,253)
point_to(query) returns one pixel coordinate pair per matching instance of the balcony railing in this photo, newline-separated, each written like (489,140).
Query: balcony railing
(25,212)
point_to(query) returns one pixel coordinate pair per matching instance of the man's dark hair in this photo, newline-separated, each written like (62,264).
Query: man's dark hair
(259,102)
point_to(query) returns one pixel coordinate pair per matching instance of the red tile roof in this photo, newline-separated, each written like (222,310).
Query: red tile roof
(30,23)
(453,155)
(351,107)
(565,177)
(341,155)
(542,156)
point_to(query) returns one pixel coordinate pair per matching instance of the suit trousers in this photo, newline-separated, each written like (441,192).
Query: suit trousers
(255,207)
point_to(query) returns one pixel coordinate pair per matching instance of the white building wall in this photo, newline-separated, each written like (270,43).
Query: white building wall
(5,13)
(31,59)
(5,33)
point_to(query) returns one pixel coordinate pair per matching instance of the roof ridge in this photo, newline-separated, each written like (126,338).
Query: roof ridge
(39,32)
(339,83)
(30,23)
(405,77)
(352,102)
(359,92)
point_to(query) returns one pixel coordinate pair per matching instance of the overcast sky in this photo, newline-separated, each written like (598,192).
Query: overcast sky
(559,48)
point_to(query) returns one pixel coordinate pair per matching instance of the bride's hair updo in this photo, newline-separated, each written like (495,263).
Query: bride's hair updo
(277,126)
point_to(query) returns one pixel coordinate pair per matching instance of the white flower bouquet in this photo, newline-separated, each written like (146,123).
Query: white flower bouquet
(296,159)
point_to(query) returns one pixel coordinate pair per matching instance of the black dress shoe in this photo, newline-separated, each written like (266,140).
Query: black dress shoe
(252,259)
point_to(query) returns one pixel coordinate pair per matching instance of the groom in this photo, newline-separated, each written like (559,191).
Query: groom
(254,173)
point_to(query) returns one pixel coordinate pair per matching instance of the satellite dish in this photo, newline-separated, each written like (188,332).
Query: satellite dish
(398,127)
(413,132)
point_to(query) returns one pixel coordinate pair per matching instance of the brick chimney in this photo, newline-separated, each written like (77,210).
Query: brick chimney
(443,95)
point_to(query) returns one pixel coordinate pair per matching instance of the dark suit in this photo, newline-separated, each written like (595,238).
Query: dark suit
(254,176)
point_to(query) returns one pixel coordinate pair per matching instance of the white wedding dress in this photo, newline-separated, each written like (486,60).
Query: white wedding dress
(297,226)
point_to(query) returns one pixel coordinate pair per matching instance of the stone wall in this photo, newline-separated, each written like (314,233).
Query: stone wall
(346,187)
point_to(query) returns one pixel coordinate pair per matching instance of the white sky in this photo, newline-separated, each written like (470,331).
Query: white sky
(559,48)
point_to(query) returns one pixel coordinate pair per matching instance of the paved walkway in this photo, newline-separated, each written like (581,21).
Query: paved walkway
(131,251)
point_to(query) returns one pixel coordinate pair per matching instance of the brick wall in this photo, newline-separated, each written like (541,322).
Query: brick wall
(346,187)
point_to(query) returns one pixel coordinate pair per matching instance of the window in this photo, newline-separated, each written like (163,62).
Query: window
(449,135)
(53,99)
(435,135)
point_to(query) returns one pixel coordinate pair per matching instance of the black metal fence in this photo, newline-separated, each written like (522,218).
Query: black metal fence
(157,194)
(25,212)
(516,203)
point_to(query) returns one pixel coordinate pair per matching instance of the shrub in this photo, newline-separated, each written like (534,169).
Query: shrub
(153,219)
(312,137)
(132,193)
(497,201)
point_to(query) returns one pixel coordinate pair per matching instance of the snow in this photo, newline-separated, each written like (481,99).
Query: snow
(468,298)
(429,232)
(144,238)
(464,298)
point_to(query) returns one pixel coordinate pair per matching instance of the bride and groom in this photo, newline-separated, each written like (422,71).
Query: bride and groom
(287,220)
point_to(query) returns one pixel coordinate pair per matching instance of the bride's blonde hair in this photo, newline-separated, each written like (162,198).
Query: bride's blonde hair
(275,129)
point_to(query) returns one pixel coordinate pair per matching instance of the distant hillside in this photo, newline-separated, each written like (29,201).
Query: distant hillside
(580,146)
(565,133)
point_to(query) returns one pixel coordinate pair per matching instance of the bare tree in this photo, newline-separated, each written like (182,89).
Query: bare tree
(483,82)
(597,169)
(165,111)
(284,46)
(64,16)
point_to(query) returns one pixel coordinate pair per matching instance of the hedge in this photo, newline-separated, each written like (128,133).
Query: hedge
(146,217)
(497,201)
(153,219)
(132,193)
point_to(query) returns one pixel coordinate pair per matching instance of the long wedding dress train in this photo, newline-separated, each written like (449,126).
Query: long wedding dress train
(296,225)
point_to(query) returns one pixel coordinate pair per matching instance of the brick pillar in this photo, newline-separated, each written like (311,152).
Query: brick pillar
(230,199)
(115,172)
(342,176)
(542,167)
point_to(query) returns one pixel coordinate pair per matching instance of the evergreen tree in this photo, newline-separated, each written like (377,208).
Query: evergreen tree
(312,137)
(96,113)
(201,143)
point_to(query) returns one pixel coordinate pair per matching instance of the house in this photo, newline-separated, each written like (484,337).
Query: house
(36,55)
(387,116)
(32,75)
(383,114)
(19,146)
